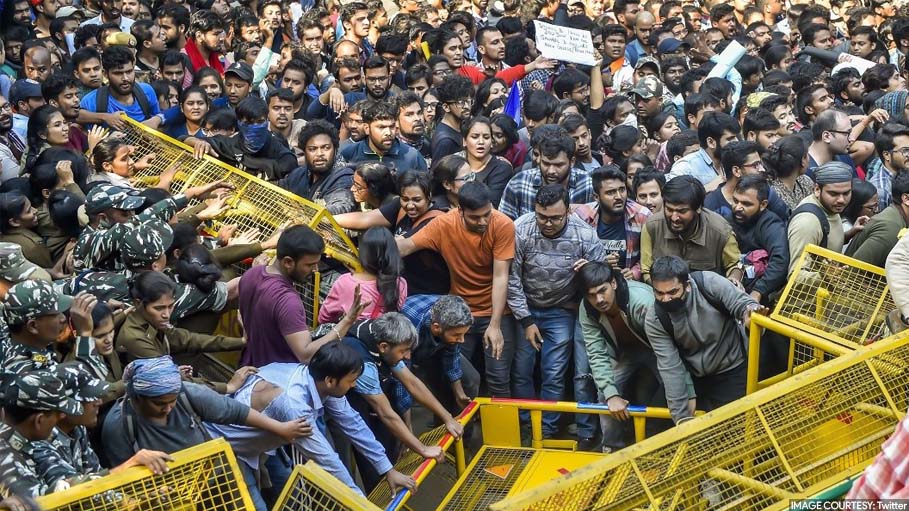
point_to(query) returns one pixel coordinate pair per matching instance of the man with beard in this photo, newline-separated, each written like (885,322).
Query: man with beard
(381,144)
(256,149)
(626,12)
(110,13)
(647,96)
(556,167)
(377,76)
(280,108)
(685,227)
(411,126)
(36,61)
(848,90)
(45,13)
(715,130)
(892,146)
(618,221)
(741,158)
(325,177)
(694,330)
(543,297)
(574,85)
(673,70)
(174,22)
(206,44)
(122,94)
(640,46)
(479,275)
(62,91)
(781,110)
(151,42)
(832,139)
(491,47)
(456,97)
(817,219)
(297,76)
(761,235)
(11,146)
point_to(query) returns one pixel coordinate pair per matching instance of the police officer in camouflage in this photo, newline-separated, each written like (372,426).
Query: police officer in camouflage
(145,250)
(67,457)
(33,311)
(15,268)
(33,403)
(111,217)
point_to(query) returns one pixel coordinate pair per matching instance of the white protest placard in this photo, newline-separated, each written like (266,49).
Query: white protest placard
(563,43)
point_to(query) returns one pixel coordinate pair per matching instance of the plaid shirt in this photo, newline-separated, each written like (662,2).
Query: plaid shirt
(418,310)
(882,181)
(888,476)
(522,190)
(635,217)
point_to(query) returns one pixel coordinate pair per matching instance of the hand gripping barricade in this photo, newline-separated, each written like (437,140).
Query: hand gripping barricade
(203,477)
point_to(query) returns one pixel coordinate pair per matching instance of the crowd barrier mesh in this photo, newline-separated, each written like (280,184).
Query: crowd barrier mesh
(254,204)
(790,440)
(203,477)
(837,298)
(311,488)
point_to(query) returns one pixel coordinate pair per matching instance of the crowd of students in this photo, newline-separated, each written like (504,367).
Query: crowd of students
(526,227)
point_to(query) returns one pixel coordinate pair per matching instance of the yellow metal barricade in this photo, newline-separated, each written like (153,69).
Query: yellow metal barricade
(255,203)
(790,440)
(204,477)
(311,488)
(835,297)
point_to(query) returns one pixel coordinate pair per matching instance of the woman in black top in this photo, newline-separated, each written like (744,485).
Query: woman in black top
(424,270)
(491,170)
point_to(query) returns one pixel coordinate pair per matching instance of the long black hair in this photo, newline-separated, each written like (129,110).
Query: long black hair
(37,126)
(196,266)
(379,256)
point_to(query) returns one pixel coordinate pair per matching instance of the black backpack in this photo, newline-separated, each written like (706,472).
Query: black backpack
(104,100)
(815,210)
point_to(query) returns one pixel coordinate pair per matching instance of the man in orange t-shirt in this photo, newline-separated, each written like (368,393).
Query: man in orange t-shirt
(477,242)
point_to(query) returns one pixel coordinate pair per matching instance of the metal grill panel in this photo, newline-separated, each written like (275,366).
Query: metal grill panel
(313,489)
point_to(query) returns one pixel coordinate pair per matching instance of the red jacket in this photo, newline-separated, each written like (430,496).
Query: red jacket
(477,75)
(198,62)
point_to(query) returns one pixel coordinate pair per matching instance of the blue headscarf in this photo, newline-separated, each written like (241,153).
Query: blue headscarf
(152,377)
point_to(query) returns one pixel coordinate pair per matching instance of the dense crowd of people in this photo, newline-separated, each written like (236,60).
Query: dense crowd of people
(526,227)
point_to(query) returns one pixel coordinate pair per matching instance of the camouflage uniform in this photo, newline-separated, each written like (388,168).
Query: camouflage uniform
(15,268)
(145,244)
(24,301)
(67,459)
(97,248)
(39,391)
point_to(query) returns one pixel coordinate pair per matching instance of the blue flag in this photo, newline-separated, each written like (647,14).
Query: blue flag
(513,104)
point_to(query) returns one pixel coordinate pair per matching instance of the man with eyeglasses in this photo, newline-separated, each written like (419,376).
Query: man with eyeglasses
(831,139)
(741,158)
(543,297)
(892,145)
(456,96)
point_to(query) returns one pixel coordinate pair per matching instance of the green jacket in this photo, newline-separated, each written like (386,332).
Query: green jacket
(600,338)
(878,238)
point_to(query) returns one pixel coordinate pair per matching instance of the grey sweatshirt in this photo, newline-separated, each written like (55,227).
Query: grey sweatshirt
(541,272)
(711,341)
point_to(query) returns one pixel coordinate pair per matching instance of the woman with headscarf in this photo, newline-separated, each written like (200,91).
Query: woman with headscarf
(162,412)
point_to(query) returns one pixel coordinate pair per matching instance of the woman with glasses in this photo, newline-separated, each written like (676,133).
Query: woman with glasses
(449,174)
(373,185)
(491,170)
(862,206)
(412,210)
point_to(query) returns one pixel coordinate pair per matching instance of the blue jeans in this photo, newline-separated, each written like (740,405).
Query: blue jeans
(557,328)
(497,372)
(249,476)
(634,356)
(585,389)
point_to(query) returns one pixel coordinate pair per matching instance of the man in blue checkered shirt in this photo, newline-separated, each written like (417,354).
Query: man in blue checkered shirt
(441,323)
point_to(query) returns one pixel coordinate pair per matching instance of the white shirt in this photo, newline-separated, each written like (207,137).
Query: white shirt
(125,23)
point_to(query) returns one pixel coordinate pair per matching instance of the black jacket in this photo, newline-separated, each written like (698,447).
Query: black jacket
(333,190)
(768,232)
(274,161)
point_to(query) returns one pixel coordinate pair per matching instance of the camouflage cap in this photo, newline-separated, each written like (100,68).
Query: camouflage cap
(648,87)
(33,298)
(145,243)
(16,268)
(106,196)
(79,383)
(40,390)
(644,61)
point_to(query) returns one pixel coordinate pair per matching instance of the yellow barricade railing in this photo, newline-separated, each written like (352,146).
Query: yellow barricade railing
(202,477)
(835,297)
(791,440)
(255,203)
(311,488)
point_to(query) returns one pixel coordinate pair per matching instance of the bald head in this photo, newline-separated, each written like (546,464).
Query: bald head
(347,49)
(37,63)
(643,27)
